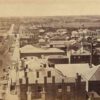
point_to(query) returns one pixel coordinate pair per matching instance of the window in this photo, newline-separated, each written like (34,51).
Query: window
(37,74)
(68,89)
(12,87)
(20,81)
(44,65)
(39,89)
(51,46)
(49,74)
(59,88)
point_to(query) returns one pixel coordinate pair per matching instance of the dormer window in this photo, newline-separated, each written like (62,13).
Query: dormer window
(49,73)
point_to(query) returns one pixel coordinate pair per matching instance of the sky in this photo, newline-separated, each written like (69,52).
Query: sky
(49,7)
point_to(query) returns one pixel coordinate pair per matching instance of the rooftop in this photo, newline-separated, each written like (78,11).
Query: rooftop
(70,70)
(32,49)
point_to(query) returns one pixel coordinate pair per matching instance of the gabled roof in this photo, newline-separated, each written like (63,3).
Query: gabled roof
(70,70)
(32,49)
(96,75)
(88,74)
(54,50)
(91,72)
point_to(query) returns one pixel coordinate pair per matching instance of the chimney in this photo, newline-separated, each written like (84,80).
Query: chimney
(78,78)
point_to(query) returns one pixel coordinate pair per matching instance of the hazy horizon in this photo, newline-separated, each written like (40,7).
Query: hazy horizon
(32,8)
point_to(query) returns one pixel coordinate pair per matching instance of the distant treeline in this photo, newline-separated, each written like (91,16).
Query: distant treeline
(71,22)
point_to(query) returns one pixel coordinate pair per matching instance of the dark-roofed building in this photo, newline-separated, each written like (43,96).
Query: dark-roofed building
(58,59)
(80,56)
(90,75)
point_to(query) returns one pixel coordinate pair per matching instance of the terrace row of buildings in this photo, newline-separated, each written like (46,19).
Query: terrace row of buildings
(39,79)
(58,56)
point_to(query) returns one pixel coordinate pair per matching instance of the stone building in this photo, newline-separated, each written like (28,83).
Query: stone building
(36,79)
